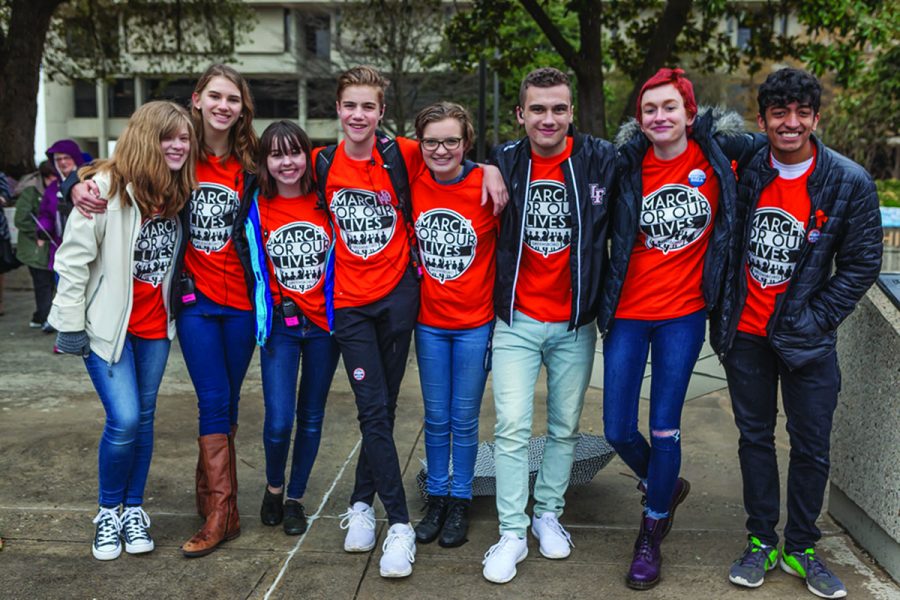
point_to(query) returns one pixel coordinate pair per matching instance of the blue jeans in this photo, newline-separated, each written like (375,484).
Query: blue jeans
(217,343)
(676,347)
(519,351)
(280,362)
(452,373)
(127,390)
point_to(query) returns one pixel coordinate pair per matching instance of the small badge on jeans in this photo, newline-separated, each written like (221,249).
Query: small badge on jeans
(359,373)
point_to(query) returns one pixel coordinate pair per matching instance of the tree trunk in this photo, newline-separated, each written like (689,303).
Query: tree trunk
(20,62)
(589,70)
(673,19)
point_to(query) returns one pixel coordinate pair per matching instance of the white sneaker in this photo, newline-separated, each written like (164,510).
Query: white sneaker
(555,540)
(106,544)
(134,529)
(501,560)
(359,521)
(399,551)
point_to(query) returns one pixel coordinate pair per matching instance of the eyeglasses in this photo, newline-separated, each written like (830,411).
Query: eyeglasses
(450,143)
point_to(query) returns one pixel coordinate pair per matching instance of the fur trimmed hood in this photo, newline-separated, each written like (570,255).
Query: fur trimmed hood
(723,121)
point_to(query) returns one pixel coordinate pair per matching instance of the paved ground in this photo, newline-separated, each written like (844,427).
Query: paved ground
(50,421)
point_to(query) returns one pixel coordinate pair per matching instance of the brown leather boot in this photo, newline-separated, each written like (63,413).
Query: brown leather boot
(202,488)
(216,459)
(234,520)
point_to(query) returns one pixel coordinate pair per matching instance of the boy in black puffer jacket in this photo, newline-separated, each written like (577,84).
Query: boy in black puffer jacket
(809,247)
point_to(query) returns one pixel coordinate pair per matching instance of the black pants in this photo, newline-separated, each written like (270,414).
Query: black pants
(809,395)
(374,342)
(43,281)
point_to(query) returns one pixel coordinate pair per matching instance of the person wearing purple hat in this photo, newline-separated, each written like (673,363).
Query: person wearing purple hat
(66,157)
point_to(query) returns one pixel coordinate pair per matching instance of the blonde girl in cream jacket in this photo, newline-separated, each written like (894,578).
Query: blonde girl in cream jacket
(112,304)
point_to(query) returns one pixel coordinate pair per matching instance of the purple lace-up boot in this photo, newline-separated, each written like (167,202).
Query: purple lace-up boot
(682,489)
(647,561)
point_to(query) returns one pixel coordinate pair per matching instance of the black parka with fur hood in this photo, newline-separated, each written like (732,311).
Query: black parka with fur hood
(727,147)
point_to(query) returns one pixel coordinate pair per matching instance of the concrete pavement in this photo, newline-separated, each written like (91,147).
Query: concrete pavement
(50,421)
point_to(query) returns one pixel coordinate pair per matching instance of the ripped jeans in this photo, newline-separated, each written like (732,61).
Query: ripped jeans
(676,346)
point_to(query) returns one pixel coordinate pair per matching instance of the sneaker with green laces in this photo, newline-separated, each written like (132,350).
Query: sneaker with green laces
(819,579)
(751,568)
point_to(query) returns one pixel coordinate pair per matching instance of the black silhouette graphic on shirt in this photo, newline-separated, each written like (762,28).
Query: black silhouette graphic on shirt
(298,252)
(447,243)
(214,209)
(366,225)
(548,217)
(154,250)
(674,217)
(775,240)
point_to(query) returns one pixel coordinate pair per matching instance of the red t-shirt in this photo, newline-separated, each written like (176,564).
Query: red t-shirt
(680,197)
(154,251)
(297,235)
(457,239)
(544,286)
(777,235)
(211,257)
(372,248)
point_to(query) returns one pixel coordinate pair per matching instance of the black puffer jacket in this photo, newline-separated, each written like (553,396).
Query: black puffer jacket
(590,179)
(722,139)
(832,274)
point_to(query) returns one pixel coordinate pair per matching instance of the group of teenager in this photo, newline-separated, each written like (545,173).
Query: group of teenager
(195,226)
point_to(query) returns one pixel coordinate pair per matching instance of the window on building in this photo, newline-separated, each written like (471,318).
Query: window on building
(320,98)
(85,98)
(316,30)
(744,34)
(176,90)
(120,98)
(275,98)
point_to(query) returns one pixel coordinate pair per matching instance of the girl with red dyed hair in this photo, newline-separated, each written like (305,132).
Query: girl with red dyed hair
(671,227)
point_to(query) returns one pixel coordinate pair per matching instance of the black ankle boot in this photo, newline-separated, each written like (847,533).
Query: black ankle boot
(456,525)
(294,518)
(430,525)
(272,510)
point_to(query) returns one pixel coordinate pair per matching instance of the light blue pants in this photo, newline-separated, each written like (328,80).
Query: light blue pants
(519,352)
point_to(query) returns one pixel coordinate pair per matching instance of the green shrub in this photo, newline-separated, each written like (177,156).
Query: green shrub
(888,191)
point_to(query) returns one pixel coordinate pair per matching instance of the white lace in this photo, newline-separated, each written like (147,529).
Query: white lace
(109,526)
(358,518)
(402,537)
(549,520)
(135,523)
(505,540)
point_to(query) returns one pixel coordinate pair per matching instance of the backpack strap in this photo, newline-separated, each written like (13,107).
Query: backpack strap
(323,165)
(396,167)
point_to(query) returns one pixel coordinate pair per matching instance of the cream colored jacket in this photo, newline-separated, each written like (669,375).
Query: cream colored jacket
(95,263)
